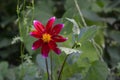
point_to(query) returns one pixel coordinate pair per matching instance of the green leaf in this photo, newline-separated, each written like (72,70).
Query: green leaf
(118,67)
(90,15)
(114,54)
(87,33)
(43,10)
(69,50)
(111,5)
(75,28)
(81,3)
(16,39)
(115,35)
(27,69)
(41,62)
(1,77)
(3,68)
(69,13)
(4,42)
(73,58)
(76,76)
(10,76)
(89,54)
(97,71)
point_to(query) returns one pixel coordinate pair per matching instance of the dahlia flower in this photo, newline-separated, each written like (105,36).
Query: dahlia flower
(47,36)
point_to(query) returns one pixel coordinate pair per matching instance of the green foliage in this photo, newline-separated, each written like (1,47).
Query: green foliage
(3,68)
(115,35)
(97,71)
(87,33)
(69,50)
(41,62)
(75,28)
(16,39)
(114,54)
(100,39)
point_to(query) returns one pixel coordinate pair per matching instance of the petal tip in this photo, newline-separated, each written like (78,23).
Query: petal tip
(57,50)
(66,38)
(30,33)
(62,25)
(33,48)
(53,18)
(44,56)
(34,21)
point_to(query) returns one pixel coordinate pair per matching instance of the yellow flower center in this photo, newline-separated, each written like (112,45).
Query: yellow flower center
(46,37)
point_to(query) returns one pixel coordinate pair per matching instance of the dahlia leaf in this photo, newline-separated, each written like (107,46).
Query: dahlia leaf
(69,50)
(41,62)
(97,71)
(75,28)
(87,33)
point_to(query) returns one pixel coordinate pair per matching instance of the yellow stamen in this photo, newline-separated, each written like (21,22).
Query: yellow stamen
(46,37)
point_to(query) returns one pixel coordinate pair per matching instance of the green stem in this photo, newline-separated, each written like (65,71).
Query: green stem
(18,14)
(80,13)
(98,49)
(32,9)
(59,76)
(47,68)
(24,3)
(21,45)
(51,67)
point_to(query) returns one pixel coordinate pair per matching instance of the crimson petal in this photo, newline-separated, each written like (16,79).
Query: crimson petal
(45,50)
(57,50)
(37,44)
(57,28)
(38,25)
(49,24)
(52,44)
(35,34)
(59,38)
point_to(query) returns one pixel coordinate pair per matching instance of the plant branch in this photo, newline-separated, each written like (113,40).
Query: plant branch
(80,13)
(98,49)
(59,76)
(51,67)
(47,68)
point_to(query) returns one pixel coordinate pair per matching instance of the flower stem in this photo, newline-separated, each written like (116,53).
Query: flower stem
(47,68)
(78,8)
(98,49)
(51,67)
(21,45)
(32,10)
(59,76)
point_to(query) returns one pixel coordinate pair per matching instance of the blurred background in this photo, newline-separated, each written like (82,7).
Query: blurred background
(103,13)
